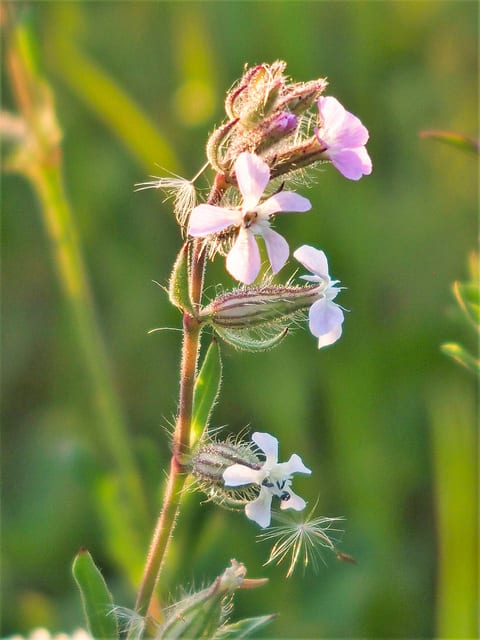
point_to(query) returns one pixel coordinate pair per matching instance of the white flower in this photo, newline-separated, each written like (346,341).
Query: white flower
(252,219)
(325,316)
(274,479)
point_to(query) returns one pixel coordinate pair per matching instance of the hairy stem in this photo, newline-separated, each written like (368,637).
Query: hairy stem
(181,437)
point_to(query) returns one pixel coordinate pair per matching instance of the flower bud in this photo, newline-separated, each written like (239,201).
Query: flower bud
(201,614)
(211,459)
(254,97)
(278,126)
(300,96)
(257,306)
(208,464)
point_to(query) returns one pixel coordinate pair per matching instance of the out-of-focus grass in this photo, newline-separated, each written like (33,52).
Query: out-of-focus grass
(361,413)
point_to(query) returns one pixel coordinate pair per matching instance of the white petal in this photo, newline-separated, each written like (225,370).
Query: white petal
(259,509)
(243,260)
(329,338)
(277,248)
(313,259)
(268,444)
(284,201)
(324,316)
(295,465)
(295,502)
(239,474)
(253,175)
(206,219)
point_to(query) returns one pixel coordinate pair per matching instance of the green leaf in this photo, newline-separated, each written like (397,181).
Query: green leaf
(96,598)
(178,284)
(243,628)
(207,388)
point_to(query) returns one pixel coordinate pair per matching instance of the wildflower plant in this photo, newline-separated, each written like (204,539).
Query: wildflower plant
(275,132)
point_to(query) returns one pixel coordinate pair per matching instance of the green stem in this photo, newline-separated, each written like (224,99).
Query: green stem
(39,159)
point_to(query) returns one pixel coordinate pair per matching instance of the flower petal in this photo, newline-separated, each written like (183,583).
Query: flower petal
(253,175)
(239,474)
(284,201)
(206,219)
(268,444)
(295,502)
(295,465)
(329,338)
(243,260)
(324,316)
(352,163)
(313,259)
(277,248)
(339,127)
(259,509)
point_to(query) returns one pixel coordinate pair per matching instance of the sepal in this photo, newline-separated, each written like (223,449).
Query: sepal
(178,283)
(245,340)
(243,628)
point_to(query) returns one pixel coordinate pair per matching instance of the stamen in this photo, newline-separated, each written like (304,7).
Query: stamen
(249,218)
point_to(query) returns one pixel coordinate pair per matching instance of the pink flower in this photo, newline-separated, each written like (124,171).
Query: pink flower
(252,219)
(325,317)
(344,137)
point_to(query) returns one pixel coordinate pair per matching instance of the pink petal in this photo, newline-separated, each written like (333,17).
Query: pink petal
(340,128)
(239,474)
(259,509)
(206,219)
(284,201)
(277,248)
(268,444)
(295,502)
(313,259)
(330,337)
(253,175)
(243,260)
(323,317)
(352,163)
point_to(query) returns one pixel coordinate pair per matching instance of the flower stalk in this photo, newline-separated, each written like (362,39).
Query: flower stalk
(181,436)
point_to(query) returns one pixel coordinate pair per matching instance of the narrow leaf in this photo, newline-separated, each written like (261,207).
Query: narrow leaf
(178,284)
(96,598)
(207,388)
(243,628)
(455,139)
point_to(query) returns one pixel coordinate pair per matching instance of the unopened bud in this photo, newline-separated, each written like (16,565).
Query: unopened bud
(257,306)
(278,126)
(211,459)
(201,614)
(300,96)
(255,96)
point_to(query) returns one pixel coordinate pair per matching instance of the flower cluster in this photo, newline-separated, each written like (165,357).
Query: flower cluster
(275,129)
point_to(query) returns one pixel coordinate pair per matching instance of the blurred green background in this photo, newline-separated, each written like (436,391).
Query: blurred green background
(383,418)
